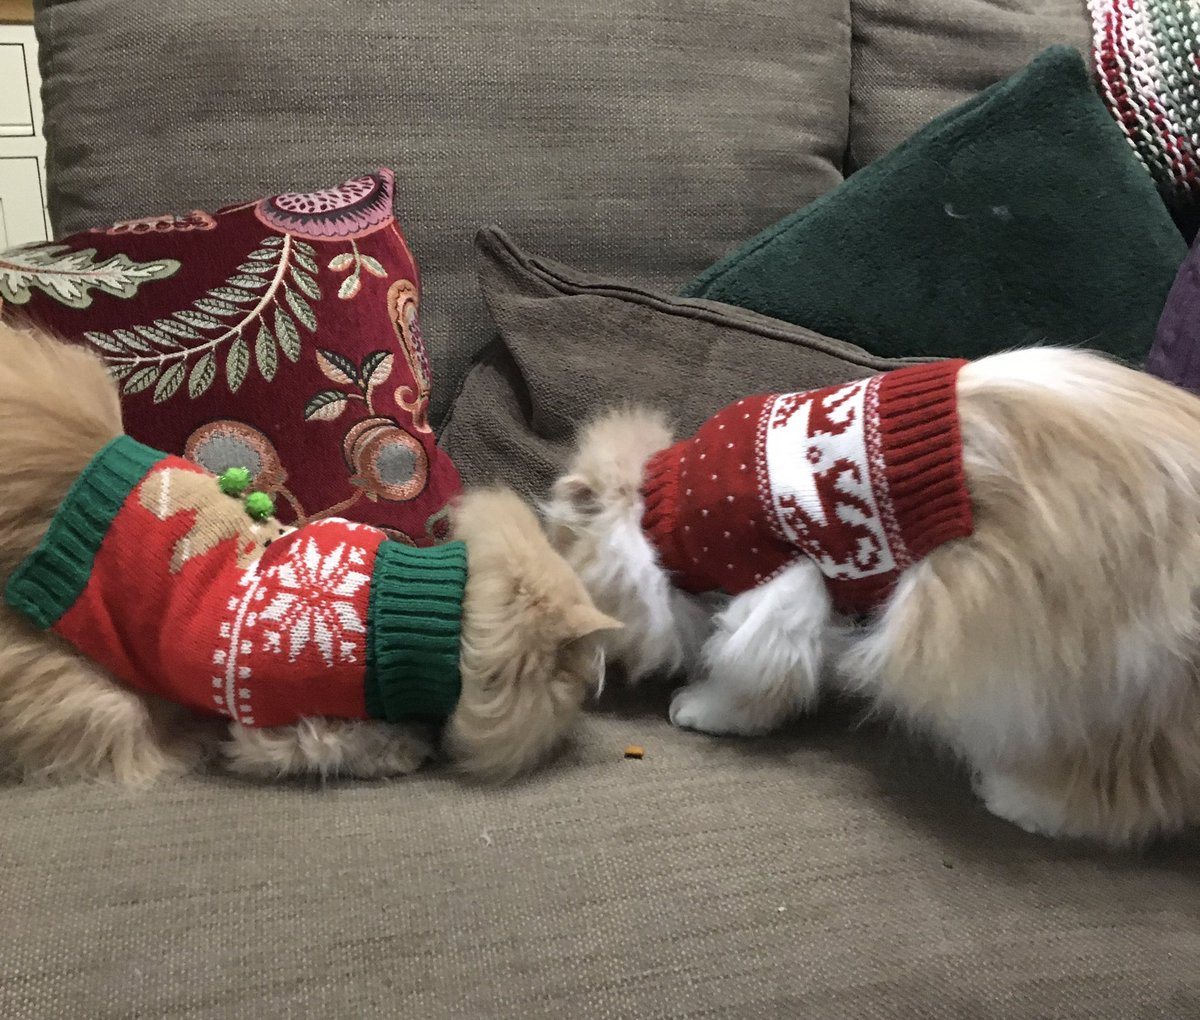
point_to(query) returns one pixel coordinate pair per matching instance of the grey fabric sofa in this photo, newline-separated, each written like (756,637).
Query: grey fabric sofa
(833,871)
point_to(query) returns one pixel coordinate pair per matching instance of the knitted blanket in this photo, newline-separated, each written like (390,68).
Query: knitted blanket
(1020,217)
(1147,55)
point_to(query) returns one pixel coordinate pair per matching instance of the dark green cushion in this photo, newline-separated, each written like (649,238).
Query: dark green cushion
(1019,217)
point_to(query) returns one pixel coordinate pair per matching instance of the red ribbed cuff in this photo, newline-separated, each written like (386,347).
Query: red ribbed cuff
(660,496)
(921,446)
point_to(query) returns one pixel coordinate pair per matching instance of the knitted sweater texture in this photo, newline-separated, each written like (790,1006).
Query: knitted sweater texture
(153,572)
(864,479)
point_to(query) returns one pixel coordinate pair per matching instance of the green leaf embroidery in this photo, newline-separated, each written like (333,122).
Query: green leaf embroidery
(376,367)
(349,286)
(201,320)
(131,340)
(305,260)
(236,294)
(236,364)
(288,335)
(249,283)
(180,329)
(169,382)
(340,263)
(69,277)
(307,284)
(142,379)
(215,306)
(203,374)
(373,265)
(326,405)
(105,342)
(154,335)
(301,310)
(337,367)
(265,353)
(272,284)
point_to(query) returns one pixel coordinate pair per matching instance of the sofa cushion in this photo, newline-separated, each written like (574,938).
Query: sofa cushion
(639,138)
(828,872)
(915,59)
(517,414)
(279,335)
(1020,217)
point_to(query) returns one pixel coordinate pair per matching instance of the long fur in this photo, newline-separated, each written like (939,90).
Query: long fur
(529,656)
(1055,650)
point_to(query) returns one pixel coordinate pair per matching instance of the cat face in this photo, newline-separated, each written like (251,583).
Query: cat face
(530,641)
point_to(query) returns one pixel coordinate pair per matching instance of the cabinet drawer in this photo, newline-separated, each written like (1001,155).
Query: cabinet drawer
(16,103)
(22,201)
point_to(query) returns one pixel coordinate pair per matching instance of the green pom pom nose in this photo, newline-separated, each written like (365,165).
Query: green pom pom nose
(234,481)
(260,506)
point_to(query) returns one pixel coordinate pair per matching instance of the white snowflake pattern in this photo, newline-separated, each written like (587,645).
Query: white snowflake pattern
(311,602)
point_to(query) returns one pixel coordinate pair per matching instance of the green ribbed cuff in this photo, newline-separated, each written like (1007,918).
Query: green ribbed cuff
(414,628)
(55,574)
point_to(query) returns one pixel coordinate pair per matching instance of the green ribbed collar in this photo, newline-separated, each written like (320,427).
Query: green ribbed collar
(55,574)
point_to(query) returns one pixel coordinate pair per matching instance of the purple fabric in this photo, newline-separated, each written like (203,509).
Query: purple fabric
(1175,355)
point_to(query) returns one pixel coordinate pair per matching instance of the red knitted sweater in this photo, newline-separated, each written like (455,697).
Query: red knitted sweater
(155,573)
(864,478)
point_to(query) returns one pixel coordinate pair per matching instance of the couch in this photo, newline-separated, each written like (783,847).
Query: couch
(836,870)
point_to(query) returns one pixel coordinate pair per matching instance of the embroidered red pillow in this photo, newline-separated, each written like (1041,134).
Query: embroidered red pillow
(280,335)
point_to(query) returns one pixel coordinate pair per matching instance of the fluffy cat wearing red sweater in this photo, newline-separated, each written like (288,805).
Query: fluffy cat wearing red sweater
(1003,554)
(324,650)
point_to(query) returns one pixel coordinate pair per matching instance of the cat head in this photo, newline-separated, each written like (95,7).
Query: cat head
(530,652)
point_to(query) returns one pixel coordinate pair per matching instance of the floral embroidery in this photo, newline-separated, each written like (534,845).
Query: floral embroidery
(362,380)
(278,277)
(197,219)
(352,284)
(219,445)
(353,209)
(69,277)
(386,462)
(231,342)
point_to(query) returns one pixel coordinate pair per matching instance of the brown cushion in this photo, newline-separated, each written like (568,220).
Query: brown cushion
(572,344)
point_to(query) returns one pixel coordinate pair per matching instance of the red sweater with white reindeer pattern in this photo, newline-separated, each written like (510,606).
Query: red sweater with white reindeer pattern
(864,478)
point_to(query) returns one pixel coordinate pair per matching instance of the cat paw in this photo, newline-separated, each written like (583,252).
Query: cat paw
(694,708)
(1013,801)
(327,748)
(402,753)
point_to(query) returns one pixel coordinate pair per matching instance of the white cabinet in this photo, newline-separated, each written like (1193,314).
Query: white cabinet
(22,149)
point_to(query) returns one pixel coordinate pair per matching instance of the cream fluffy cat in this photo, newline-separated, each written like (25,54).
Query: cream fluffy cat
(1054,648)
(529,650)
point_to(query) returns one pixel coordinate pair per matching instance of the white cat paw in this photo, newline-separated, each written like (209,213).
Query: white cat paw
(1011,800)
(694,708)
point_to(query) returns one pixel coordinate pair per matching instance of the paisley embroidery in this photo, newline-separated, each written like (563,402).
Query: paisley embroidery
(197,219)
(353,209)
(403,298)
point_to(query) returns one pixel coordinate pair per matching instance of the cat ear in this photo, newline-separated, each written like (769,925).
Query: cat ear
(575,491)
(583,619)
